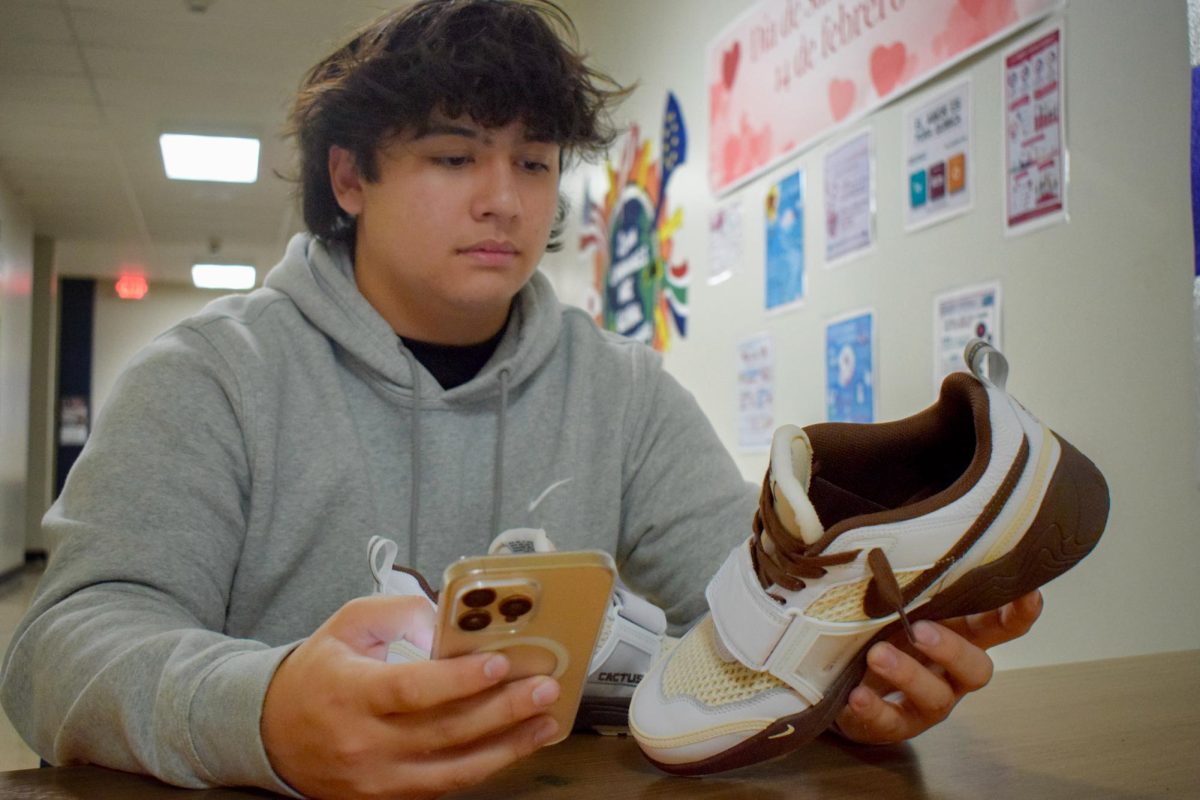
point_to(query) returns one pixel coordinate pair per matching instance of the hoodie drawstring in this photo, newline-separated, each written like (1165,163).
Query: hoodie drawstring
(498,459)
(414,502)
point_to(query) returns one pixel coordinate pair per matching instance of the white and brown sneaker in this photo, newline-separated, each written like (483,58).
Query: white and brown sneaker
(861,530)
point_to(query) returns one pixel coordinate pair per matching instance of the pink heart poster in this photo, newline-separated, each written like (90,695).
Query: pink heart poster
(786,73)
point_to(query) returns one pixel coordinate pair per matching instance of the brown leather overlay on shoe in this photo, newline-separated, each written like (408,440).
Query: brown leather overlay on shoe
(875,604)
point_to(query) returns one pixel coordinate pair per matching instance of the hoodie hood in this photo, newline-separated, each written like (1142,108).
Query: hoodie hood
(318,277)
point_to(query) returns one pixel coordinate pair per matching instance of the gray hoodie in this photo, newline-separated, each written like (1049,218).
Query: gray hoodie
(221,509)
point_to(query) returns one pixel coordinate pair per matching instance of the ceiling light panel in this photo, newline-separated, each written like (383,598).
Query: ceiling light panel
(191,157)
(224,276)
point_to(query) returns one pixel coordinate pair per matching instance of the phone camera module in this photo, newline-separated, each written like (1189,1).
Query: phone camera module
(475,620)
(515,606)
(478,598)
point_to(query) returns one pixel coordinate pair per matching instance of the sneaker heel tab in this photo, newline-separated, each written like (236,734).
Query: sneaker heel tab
(986,363)
(381,555)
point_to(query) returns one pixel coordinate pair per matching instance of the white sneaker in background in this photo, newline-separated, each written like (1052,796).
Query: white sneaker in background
(633,636)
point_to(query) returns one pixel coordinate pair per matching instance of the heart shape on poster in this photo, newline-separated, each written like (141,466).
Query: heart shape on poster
(972,7)
(841,98)
(729,64)
(887,63)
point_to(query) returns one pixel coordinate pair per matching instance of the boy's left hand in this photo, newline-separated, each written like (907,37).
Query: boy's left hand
(909,689)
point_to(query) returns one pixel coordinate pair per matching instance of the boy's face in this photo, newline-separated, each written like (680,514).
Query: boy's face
(454,226)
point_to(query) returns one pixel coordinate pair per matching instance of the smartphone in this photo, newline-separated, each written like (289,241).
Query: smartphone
(543,610)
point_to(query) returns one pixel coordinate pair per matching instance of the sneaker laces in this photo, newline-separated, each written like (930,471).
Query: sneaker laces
(785,560)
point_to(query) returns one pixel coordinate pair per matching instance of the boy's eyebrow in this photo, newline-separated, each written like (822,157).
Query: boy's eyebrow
(447,129)
(467,132)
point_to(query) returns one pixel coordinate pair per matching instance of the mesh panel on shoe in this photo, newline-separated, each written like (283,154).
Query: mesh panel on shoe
(845,603)
(696,670)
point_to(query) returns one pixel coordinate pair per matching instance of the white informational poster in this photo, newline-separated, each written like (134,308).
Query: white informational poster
(849,199)
(937,156)
(958,317)
(1035,158)
(756,393)
(724,241)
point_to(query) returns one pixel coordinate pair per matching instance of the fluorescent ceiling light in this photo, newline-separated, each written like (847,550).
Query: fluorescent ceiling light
(230,159)
(223,276)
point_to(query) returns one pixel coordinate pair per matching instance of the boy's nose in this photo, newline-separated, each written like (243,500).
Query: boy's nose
(497,194)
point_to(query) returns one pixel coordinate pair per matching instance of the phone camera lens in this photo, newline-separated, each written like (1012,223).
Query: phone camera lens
(515,606)
(478,598)
(475,620)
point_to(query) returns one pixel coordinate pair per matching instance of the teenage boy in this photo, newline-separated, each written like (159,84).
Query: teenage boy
(404,371)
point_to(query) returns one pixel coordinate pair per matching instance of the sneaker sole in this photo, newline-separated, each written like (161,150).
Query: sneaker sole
(1066,528)
(606,716)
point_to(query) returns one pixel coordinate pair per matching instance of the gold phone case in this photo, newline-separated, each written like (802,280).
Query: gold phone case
(544,610)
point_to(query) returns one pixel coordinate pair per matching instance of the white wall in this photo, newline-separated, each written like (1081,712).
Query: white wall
(16,282)
(1096,311)
(122,327)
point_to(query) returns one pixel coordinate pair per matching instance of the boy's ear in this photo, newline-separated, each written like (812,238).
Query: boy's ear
(345,180)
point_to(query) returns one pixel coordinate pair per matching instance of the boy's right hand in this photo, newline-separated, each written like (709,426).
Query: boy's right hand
(339,722)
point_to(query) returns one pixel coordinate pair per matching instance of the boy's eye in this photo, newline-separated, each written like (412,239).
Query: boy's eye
(452,161)
(536,166)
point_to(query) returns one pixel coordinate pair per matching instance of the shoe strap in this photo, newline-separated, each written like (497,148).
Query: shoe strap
(805,653)
(637,624)
(638,611)
(750,622)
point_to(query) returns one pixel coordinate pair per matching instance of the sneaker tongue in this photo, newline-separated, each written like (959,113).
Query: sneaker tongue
(521,540)
(791,472)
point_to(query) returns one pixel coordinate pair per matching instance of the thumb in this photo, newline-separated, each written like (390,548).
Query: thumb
(368,624)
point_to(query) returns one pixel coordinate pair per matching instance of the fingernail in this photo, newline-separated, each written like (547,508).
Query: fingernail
(495,667)
(545,730)
(883,657)
(546,692)
(927,634)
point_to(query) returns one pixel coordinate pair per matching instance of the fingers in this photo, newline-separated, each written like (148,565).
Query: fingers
(420,685)
(479,717)
(1002,625)
(869,719)
(369,624)
(450,770)
(928,693)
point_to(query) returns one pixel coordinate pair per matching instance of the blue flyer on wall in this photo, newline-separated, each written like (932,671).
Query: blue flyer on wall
(850,368)
(785,242)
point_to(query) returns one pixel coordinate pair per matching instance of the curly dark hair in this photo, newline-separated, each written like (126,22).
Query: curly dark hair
(495,61)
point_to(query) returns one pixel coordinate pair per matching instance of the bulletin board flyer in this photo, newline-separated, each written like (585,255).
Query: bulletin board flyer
(1035,157)
(959,316)
(937,156)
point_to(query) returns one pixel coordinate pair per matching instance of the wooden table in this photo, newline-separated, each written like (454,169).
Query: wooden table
(1124,728)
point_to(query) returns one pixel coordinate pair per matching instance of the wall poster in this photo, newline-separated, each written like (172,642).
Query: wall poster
(1035,158)
(786,278)
(937,157)
(849,199)
(786,72)
(850,367)
(756,393)
(724,242)
(958,317)
(630,232)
